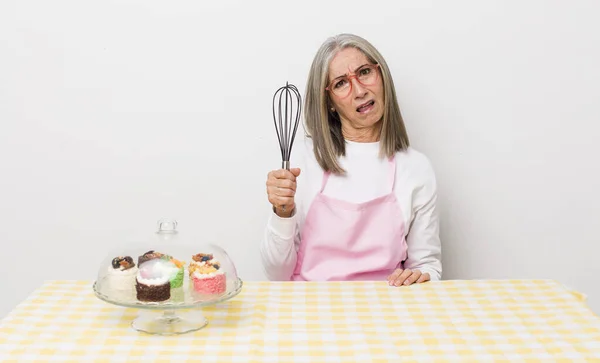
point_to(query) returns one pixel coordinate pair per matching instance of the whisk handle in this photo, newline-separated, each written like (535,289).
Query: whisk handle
(284,165)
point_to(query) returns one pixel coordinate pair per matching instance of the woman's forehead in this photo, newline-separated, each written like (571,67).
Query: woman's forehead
(346,61)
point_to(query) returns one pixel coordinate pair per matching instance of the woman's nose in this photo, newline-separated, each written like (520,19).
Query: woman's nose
(357,88)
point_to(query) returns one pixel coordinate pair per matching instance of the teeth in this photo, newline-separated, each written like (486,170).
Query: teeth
(365,106)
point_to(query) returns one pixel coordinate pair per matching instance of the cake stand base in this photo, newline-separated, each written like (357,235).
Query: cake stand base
(169,323)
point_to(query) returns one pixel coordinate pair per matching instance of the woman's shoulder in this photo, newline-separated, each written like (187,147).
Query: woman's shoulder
(302,151)
(303,157)
(416,165)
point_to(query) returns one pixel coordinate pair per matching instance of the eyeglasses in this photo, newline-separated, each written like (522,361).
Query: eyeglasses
(366,75)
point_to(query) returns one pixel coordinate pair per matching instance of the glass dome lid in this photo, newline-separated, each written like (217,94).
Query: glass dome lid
(165,272)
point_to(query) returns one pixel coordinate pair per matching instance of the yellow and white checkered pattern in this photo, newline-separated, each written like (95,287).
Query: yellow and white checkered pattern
(459,321)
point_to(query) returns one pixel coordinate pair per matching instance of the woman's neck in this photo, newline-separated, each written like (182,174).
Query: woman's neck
(365,134)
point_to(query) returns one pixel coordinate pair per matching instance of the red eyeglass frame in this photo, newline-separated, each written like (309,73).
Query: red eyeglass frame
(349,76)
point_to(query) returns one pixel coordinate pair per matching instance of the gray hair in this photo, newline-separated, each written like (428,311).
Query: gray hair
(324,127)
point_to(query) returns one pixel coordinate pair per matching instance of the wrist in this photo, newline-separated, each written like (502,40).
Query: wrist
(287,213)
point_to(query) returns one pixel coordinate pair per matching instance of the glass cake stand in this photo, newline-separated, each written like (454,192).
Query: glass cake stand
(170,321)
(182,312)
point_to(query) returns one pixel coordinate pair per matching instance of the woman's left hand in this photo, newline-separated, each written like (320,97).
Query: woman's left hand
(407,277)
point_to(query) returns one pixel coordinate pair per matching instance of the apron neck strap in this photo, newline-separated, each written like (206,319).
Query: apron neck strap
(324,182)
(392,176)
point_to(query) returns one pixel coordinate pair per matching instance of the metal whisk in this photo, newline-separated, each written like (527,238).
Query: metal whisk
(287,108)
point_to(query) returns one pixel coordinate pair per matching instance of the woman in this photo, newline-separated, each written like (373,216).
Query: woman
(360,203)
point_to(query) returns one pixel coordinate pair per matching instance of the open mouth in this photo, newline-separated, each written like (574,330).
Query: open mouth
(365,107)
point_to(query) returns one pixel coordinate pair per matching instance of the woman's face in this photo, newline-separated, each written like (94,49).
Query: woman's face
(362,107)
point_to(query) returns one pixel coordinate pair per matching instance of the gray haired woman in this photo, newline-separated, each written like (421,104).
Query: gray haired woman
(359,202)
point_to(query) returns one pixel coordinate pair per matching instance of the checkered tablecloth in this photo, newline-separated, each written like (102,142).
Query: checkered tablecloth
(512,320)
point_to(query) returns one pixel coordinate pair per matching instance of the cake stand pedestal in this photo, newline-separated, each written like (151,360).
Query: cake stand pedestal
(169,322)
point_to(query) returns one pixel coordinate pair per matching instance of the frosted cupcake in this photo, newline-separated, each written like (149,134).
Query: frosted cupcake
(206,275)
(153,278)
(175,270)
(120,276)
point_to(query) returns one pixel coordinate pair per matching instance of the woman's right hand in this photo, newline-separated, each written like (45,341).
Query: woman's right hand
(281,189)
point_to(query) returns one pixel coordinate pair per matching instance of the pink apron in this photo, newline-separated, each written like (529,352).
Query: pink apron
(343,241)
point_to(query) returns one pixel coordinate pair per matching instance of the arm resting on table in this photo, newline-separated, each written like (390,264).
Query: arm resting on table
(423,240)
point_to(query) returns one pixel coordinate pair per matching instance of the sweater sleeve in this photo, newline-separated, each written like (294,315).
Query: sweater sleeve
(278,251)
(424,245)
(278,248)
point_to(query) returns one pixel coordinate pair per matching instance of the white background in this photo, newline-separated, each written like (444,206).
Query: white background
(117,113)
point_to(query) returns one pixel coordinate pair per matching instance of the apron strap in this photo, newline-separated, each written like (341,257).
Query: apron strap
(392,177)
(324,182)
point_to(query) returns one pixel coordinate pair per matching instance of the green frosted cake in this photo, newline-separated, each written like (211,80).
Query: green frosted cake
(177,272)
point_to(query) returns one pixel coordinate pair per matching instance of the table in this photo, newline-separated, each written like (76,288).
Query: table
(497,320)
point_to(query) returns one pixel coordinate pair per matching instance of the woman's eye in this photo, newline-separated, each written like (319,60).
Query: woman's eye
(365,71)
(340,83)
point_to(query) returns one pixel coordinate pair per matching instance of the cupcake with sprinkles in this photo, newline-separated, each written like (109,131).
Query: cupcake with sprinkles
(206,274)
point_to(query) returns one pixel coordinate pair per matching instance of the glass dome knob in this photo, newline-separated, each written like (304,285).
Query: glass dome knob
(167,225)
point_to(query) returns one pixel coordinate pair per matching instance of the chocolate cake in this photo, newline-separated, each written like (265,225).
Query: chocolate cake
(152,280)
(153,292)
(150,255)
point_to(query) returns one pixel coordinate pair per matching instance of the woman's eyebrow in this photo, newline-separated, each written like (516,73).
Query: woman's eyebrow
(346,74)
